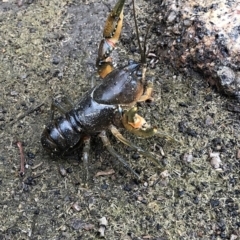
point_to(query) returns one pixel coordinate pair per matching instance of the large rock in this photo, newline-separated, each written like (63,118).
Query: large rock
(203,36)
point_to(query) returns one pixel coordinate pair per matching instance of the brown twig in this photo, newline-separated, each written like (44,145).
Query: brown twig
(22,160)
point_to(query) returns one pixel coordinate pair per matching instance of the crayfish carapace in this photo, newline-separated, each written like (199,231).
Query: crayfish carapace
(107,106)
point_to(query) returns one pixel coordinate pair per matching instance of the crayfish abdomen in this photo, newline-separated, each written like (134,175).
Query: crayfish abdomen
(61,134)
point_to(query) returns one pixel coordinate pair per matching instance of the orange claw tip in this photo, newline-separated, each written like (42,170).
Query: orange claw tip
(138,121)
(118,8)
(113,25)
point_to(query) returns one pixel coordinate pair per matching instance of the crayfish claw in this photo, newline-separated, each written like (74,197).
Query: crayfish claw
(111,34)
(136,124)
(113,25)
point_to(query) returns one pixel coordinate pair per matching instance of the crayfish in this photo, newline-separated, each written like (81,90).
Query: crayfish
(107,106)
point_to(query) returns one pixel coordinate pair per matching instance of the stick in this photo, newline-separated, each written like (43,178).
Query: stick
(22,160)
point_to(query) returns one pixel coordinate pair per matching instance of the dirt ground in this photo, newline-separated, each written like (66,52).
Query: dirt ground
(48,49)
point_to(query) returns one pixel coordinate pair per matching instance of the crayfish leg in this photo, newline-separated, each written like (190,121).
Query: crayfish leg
(121,138)
(85,158)
(59,107)
(110,149)
(147,95)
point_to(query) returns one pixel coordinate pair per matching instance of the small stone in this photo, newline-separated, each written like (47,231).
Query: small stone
(31,155)
(164,174)
(55,60)
(209,121)
(238,154)
(31,99)
(215,159)
(13,93)
(103,224)
(187,157)
(76,207)
(214,203)
(233,237)
(135,156)
(77,224)
(62,171)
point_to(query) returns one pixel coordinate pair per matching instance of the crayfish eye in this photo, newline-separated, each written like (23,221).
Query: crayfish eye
(131,62)
(139,73)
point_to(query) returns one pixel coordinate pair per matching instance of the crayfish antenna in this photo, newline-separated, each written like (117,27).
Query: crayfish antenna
(142,49)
